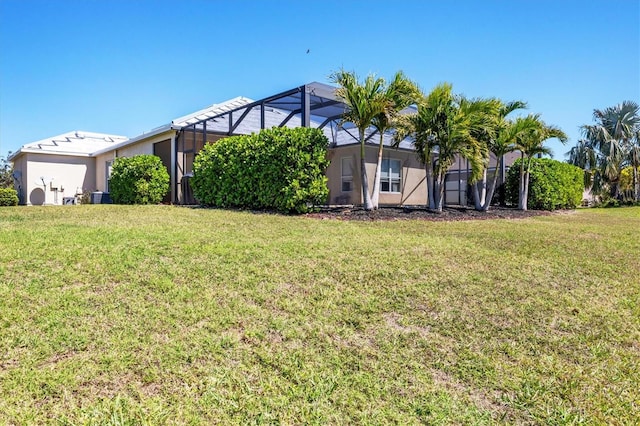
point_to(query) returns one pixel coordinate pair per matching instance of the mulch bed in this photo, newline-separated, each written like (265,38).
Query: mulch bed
(421,213)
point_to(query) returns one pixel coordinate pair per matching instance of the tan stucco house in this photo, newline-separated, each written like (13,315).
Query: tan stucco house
(51,171)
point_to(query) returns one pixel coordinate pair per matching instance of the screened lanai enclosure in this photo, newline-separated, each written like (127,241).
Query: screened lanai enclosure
(312,105)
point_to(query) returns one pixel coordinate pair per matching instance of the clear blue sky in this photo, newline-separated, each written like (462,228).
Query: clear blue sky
(127,66)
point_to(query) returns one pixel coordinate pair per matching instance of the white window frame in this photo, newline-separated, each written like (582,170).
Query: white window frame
(386,177)
(344,177)
(107,174)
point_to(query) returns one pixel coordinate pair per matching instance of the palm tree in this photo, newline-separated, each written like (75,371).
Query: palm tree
(364,102)
(442,129)
(532,132)
(500,141)
(400,93)
(609,146)
(586,156)
(419,127)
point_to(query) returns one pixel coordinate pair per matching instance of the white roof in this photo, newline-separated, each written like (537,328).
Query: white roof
(75,143)
(178,123)
(211,111)
(87,144)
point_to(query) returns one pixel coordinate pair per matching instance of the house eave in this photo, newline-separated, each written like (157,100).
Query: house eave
(153,133)
(39,151)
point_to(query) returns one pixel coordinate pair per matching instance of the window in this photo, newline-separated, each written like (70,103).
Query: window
(188,162)
(390,175)
(347,174)
(107,173)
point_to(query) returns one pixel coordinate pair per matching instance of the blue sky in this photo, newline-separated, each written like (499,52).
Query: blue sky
(127,66)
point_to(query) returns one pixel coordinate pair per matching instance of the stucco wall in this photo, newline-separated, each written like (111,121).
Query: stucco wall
(101,161)
(413,184)
(20,168)
(144,146)
(71,175)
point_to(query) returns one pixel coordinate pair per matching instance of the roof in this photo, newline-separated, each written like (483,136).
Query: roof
(180,122)
(75,143)
(285,109)
(211,111)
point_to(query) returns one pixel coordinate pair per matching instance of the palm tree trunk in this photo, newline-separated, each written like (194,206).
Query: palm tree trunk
(636,183)
(615,189)
(439,192)
(480,192)
(363,176)
(525,196)
(430,183)
(376,180)
(522,199)
(483,187)
(476,196)
(492,187)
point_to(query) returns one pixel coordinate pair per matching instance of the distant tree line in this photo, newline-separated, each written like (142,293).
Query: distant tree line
(609,153)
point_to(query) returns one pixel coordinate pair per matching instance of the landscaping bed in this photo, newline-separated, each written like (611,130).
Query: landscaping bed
(421,213)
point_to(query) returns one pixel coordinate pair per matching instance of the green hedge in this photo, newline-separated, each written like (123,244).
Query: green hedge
(141,179)
(8,197)
(552,185)
(280,168)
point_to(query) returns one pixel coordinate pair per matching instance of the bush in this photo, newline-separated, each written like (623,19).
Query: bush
(625,199)
(552,185)
(279,168)
(626,178)
(8,197)
(141,179)
(85,198)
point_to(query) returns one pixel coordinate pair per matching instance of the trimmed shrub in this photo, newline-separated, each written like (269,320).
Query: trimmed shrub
(141,179)
(279,168)
(8,197)
(552,185)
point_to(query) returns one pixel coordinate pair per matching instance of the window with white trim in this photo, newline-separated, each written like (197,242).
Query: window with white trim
(390,175)
(347,174)
(107,174)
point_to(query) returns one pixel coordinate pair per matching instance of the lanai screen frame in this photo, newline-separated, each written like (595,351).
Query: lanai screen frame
(311,105)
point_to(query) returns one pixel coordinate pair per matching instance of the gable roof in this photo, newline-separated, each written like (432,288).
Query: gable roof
(279,110)
(75,143)
(87,144)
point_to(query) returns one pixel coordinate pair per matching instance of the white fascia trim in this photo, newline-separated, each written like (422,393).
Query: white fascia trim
(40,151)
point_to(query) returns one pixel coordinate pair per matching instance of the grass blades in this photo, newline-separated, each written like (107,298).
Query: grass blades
(168,315)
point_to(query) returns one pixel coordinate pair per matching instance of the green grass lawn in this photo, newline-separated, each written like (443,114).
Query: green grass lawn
(169,315)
